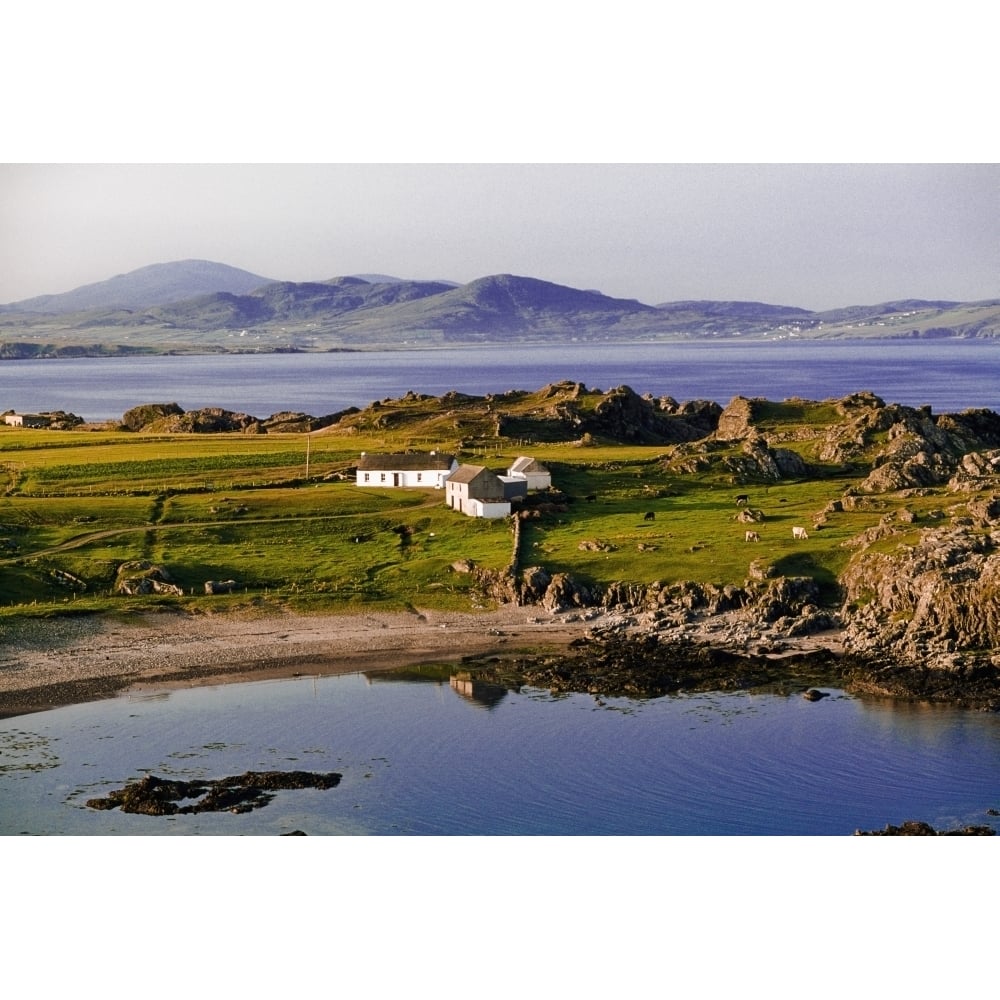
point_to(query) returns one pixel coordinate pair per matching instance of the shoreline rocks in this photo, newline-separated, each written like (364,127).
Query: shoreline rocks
(918,828)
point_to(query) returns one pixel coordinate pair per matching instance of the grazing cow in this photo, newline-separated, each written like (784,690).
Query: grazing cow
(649,516)
(752,536)
(799,533)
(743,498)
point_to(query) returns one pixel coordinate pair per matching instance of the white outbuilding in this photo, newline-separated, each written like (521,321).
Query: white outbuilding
(532,471)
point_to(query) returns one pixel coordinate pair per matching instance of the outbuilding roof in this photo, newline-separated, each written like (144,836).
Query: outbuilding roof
(525,463)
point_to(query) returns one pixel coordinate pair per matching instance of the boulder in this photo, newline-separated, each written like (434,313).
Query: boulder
(137,578)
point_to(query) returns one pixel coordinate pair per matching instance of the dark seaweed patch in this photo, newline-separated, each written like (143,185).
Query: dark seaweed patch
(153,796)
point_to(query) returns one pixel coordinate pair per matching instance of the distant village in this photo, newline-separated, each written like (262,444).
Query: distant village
(471,489)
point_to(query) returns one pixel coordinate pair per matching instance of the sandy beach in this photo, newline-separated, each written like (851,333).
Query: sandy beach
(60,661)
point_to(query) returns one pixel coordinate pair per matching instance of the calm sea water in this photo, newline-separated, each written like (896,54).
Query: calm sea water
(420,758)
(947,375)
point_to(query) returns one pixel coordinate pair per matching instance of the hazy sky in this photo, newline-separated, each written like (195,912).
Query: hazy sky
(809,235)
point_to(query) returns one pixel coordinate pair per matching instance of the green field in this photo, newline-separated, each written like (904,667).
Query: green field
(76,505)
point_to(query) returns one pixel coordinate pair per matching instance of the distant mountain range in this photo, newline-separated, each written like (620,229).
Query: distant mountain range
(197,306)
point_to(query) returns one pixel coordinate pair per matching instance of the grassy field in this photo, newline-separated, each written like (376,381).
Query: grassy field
(77,504)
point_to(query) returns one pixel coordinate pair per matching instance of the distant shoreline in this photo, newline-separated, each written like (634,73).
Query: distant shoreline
(21,351)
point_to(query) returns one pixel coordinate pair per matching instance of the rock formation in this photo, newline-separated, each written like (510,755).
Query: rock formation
(141,577)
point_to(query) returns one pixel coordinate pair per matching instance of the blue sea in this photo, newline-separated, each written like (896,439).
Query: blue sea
(949,375)
(427,758)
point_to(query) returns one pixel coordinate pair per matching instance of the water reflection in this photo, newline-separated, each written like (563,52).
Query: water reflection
(486,696)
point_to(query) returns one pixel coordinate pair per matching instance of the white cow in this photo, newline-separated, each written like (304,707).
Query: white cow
(753,536)
(799,533)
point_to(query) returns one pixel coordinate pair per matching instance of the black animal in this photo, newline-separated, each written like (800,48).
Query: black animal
(649,516)
(742,498)
(591,498)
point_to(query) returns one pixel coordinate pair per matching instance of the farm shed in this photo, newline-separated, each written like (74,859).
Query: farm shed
(474,490)
(531,471)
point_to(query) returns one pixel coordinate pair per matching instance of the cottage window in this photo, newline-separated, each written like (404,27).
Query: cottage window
(367,476)
(420,476)
(383,477)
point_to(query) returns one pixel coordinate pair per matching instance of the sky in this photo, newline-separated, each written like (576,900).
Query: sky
(811,235)
(731,151)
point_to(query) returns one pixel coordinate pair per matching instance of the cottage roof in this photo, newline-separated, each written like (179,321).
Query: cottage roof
(407,461)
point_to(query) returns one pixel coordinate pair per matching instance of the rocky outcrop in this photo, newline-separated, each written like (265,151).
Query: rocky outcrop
(793,602)
(921,450)
(977,470)
(140,417)
(918,828)
(737,420)
(619,414)
(757,461)
(140,577)
(210,420)
(933,602)
(627,416)
(169,418)
(648,666)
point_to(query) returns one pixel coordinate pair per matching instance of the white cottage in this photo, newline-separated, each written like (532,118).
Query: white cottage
(411,469)
(532,471)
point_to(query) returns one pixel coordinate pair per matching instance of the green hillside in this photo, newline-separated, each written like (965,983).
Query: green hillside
(644,493)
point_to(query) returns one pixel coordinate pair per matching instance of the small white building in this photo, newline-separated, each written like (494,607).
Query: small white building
(532,471)
(25,420)
(474,490)
(411,469)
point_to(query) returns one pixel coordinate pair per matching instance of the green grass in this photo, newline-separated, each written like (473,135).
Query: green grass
(239,507)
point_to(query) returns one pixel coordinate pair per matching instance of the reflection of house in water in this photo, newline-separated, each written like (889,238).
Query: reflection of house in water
(478,692)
